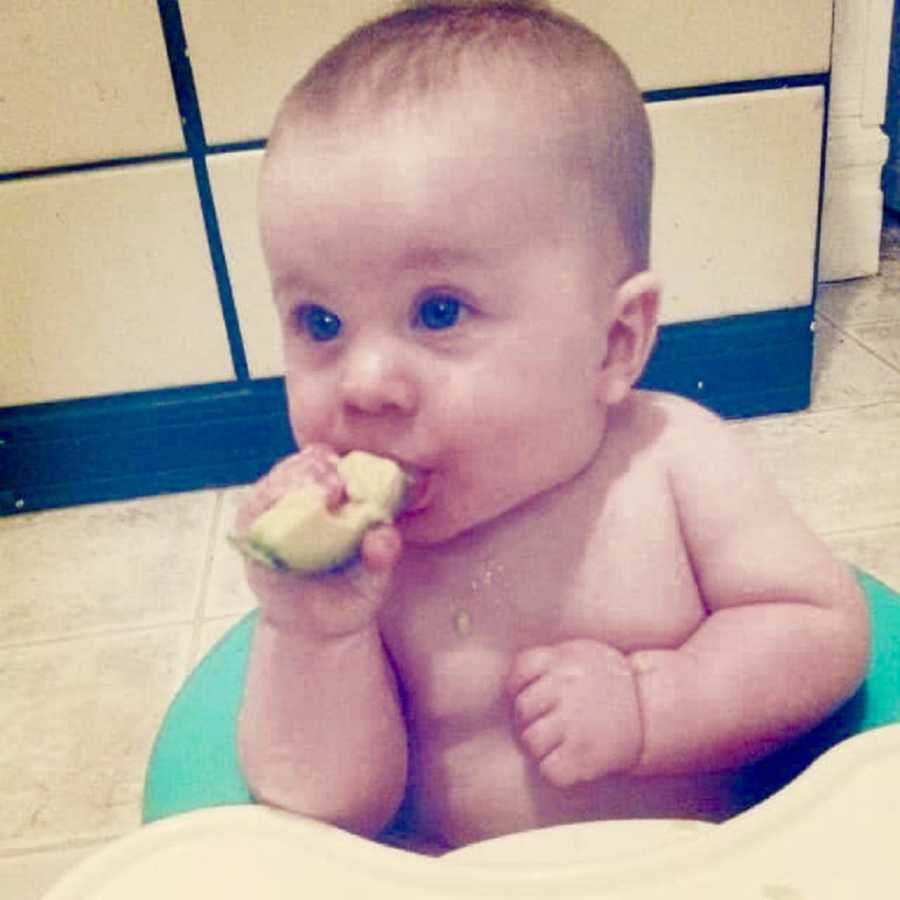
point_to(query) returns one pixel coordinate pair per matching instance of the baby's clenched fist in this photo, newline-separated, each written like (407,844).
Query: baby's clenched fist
(577,710)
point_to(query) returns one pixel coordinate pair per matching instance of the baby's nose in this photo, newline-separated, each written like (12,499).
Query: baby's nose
(376,379)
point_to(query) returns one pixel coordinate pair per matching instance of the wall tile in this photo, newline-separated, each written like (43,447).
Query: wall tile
(234,177)
(692,42)
(106,285)
(229,41)
(83,81)
(674,44)
(736,201)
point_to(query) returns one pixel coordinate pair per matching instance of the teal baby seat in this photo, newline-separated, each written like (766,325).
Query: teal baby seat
(194,762)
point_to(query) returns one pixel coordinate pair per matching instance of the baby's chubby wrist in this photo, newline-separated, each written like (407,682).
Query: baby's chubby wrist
(333,605)
(314,645)
(671,722)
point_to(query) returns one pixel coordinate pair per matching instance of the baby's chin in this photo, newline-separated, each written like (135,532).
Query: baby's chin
(427,528)
(439,524)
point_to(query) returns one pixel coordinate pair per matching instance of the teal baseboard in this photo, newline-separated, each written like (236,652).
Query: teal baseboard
(207,436)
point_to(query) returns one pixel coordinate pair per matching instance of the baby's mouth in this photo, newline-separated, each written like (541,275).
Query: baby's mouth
(418,491)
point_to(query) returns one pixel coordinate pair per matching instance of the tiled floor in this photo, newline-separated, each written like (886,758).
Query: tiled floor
(106,608)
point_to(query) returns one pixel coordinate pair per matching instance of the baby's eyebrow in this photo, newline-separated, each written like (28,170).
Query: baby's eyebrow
(427,257)
(293,282)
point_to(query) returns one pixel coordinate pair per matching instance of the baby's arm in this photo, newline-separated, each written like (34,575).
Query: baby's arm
(321,731)
(787,635)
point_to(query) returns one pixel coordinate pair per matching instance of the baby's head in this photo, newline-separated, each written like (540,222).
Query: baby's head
(537,70)
(455,208)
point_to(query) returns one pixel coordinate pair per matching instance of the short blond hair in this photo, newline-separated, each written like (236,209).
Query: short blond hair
(424,49)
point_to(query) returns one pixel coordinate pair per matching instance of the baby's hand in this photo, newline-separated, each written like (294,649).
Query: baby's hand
(577,710)
(334,603)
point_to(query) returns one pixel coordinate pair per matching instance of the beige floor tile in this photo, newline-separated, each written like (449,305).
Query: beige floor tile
(227,592)
(838,467)
(883,339)
(78,719)
(862,301)
(115,565)
(890,238)
(846,374)
(210,633)
(876,550)
(29,876)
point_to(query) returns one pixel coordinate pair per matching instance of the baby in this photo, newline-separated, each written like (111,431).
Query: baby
(593,605)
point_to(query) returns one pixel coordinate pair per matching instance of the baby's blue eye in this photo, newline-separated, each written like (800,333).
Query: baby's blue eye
(439,311)
(320,324)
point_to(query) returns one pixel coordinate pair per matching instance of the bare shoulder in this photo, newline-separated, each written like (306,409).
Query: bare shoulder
(691,439)
(682,416)
(673,427)
(746,541)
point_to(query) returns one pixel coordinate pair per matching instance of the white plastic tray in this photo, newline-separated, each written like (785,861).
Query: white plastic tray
(832,833)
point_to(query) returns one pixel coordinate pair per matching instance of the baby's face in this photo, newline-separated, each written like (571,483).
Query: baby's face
(441,304)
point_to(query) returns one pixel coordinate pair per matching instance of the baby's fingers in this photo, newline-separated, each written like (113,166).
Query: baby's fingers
(535,700)
(530,665)
(381,549)
(315,465)
(561,768)
(543,737)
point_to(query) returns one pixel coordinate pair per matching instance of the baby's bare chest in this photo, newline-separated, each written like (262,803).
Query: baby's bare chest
(620,575)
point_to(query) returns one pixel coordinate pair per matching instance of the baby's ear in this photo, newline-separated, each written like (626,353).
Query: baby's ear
(632,334)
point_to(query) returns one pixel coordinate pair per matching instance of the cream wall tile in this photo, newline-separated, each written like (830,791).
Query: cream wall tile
(106,285)
(683,42)
(234,177)
(84,81)
(736,201)
(246,54)
(78,720)
(113,565)
(692,42)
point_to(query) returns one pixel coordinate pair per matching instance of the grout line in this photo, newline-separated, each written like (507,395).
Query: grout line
(729,88)
(859,343)
(812,411)
(101,632)
(861,323)
(204,587)
(63,845)
(195,140)
(859,529)
(94,165)
(840,326)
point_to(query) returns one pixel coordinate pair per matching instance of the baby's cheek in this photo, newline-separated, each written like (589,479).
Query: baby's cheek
(308,410)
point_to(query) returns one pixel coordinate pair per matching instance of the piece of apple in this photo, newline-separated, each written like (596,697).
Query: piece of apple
(301,534)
